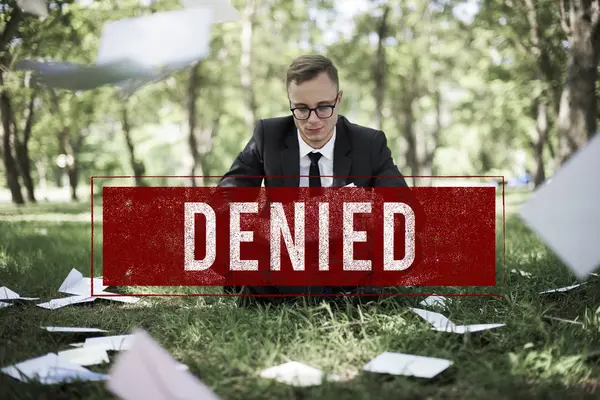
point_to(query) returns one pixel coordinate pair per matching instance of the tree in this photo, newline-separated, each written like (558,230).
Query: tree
(578,115)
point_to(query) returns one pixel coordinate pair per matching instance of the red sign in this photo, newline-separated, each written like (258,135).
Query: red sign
(342,236)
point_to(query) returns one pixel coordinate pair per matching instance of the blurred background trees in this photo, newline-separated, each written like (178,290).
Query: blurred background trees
(490,87)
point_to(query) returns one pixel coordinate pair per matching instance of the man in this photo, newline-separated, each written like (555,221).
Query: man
(313,141)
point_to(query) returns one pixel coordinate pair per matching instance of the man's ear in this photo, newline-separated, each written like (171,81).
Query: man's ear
(340,97)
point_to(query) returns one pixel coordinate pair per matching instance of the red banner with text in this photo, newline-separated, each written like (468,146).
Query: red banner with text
(284,236)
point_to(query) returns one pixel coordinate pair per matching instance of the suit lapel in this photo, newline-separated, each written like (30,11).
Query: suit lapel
(290,158)
(341,159)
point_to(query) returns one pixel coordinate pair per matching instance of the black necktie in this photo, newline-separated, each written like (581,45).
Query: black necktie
(314,173)
(314,181)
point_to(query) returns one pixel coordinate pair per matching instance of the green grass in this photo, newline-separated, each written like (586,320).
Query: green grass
(226,345)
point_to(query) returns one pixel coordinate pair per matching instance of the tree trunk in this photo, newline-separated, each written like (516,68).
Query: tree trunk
(206,137)
(410,94)
(430,143)
(248,22)
(137,166)
(577,118)
(193,86)
(409,135)
(540,142)
(73,172)
(10,166)
(22,150)
(70,168)
(380,69)
(41,170)
(10,28)
(73,168)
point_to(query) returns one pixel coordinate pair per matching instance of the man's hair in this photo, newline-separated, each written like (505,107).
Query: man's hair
(306,68)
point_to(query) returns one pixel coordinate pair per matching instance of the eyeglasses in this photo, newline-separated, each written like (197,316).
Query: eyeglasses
(323,112)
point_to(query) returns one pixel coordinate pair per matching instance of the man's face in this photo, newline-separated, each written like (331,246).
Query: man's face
(320,92)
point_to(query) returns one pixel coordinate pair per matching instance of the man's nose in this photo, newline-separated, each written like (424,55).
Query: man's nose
(313,117)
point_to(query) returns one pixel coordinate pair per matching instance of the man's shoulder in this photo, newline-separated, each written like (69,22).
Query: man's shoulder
(269,124)
(359,131)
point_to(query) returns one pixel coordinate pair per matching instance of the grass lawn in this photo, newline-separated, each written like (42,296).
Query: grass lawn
(226,345)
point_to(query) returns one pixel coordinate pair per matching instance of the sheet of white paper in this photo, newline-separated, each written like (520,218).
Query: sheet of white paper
(442,324)
(461,329)
(294,373)
(111,343)
(565,211)
(72,329)
(85,356)
(83,77)
(436,319)
(147,371)
(130,86)
(563,289)
(350,185)
(66,301)
(157,40)
(2,305)
(51,369)
(407,364)
(7,295)
(434,301)
(223,11)
(521,272)
(76,284)
(122,299)
(36,7)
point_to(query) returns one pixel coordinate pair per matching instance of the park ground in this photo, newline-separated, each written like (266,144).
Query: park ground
(533,356)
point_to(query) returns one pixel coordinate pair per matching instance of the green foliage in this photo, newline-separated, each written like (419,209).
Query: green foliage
(483,67)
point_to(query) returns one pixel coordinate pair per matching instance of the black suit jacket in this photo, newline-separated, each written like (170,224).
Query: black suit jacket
(361,156)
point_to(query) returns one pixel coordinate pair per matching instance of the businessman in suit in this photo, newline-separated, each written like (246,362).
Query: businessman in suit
(313,141)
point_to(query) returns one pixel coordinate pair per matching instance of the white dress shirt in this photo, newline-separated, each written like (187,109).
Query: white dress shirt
(325,162)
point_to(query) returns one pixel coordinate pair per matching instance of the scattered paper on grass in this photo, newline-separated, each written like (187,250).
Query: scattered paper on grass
(434,301)
(110,343)
(63,302)
(85,356)
(294,373)
(76,284)
(8,295)
(565,211)
(148,372)
(443,324)
(72,329)
(51,369)
(2,305)
(436,319)
(568,321)
(407,365)
(461,329)
(522,273)
(563,289)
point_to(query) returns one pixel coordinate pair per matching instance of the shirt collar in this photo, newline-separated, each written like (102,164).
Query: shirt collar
(326,151)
